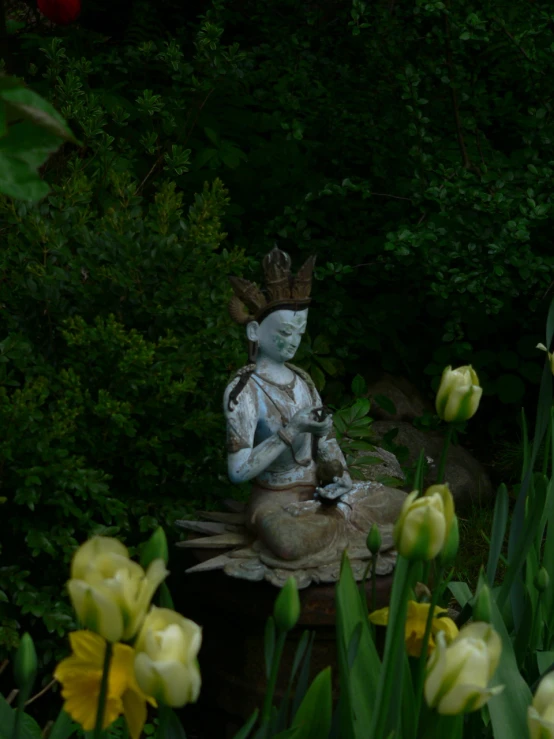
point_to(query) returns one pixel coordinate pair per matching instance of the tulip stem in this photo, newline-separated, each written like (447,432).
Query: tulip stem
(268,700)
(420,675)
(374,582)
(103,692)
(446,444)
(392,666)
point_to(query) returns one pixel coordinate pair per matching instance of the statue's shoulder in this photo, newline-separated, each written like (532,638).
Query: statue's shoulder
(238,382)
(303,374)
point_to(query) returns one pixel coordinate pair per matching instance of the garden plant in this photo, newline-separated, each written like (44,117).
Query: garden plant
(149,150)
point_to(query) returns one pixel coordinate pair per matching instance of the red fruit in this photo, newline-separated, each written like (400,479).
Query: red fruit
(62,12)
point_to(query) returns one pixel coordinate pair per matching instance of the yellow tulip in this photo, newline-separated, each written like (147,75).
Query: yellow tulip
(458,673)
(81,675)
(459,394)
(111,593)
(416,621)
(549,355)
(424,523)
(166,664)
(540,715)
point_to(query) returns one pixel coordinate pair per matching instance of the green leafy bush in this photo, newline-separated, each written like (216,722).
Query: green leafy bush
(115,337)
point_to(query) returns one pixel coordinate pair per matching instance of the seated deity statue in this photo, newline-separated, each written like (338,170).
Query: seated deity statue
(304,509)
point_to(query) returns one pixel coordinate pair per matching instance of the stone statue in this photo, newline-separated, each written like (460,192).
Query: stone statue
(304,509)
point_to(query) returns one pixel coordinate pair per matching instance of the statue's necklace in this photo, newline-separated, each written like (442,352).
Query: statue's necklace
(288,388)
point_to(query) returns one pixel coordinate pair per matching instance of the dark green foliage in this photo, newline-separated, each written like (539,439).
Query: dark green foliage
(117,349)
(409,144)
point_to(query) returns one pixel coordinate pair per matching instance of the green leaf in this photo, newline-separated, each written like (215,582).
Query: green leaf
(318,377)
(367,461)
(359,409)
(330,365)
(26,103)
(29,729)
(30,144)
(248,726)
(269,645)
(385,403)
(508,710)
(321,345)
(20,181)
(315,712)
(63,727)
(204,157)
(545,661)
(304,676)
(359,680)
(359,386)
(170,724)
(212,135)
(499,522)
(460,591)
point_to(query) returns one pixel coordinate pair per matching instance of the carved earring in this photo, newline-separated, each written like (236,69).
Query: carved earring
(252,352)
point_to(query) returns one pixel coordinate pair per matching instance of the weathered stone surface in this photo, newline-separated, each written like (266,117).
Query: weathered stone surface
(389,467)
(407,399)
(466,476)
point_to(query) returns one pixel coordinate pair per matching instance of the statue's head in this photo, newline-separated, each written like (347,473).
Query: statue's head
(275,318)
(279,334)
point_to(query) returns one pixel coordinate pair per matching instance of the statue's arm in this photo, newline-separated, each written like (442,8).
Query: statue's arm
(328,450)
(244,461)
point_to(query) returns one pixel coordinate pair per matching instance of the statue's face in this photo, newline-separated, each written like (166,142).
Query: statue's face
(279,335)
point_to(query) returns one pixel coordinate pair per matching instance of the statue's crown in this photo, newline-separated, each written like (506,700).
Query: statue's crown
(282,289)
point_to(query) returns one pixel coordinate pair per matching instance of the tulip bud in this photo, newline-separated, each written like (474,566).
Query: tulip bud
(374,540)
(109,592)
(549,355)
(459,394)
(286,611)
(166,650)
(450,550)
(155,548)
(542,580)
(482,609)
(420,530)
(25,666)
(458,673)
(540,714)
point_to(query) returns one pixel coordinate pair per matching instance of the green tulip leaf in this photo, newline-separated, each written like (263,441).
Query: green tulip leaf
(314,715)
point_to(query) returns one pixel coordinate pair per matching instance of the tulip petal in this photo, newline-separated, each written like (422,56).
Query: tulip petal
(436,667)
(466,698)
(181,682)
(90,550)
(95,610)
(539,726)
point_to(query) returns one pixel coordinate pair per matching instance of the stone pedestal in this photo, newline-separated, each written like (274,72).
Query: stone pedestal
(233,615)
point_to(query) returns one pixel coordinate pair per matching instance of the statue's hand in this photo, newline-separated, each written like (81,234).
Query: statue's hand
(304,422)
(339,487)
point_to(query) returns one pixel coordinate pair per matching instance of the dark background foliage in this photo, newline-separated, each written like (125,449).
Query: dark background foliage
(408,144)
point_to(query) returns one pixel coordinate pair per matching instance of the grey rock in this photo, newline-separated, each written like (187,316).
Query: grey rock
(407,399)
(389,466)
(466,476)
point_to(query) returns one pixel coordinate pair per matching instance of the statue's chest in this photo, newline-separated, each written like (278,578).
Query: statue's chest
(276,406)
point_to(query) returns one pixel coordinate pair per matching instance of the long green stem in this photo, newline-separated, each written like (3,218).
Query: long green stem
(374,582)
(17,723)
(394,642)
(275,663)
(103,692)
(420,679)
(446,444)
